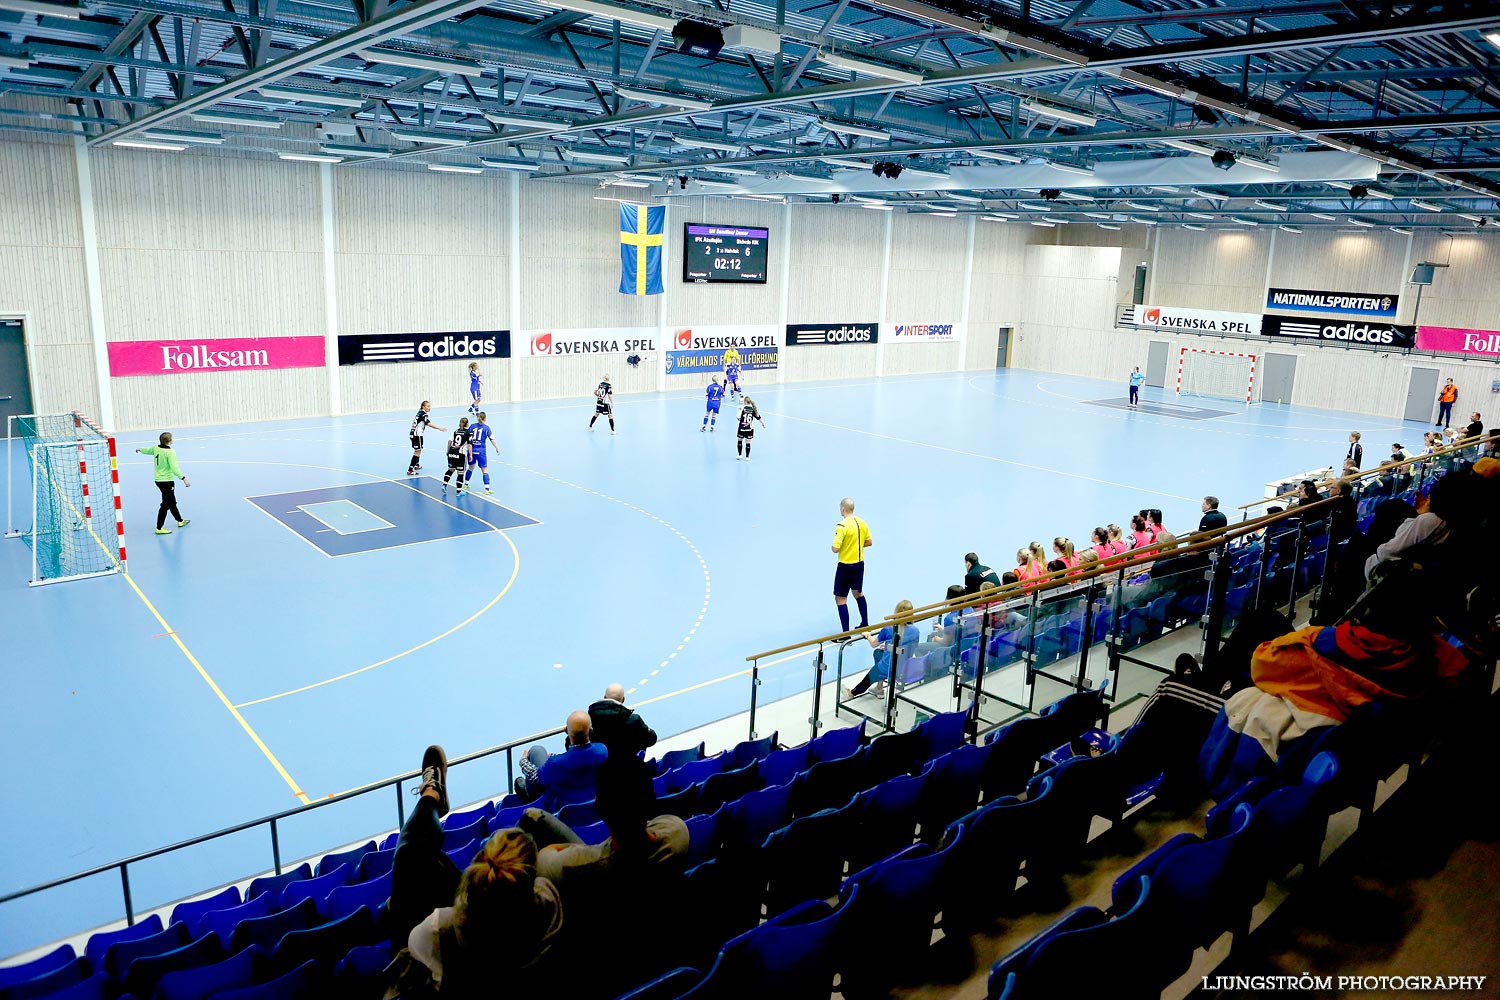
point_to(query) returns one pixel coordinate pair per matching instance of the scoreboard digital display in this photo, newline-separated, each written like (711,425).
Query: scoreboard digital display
(734,254)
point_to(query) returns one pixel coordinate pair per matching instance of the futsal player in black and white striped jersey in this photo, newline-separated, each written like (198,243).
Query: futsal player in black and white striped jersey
(604,403)
(419,425)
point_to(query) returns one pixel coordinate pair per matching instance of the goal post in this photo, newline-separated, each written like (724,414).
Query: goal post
(1217,374)
(70,516)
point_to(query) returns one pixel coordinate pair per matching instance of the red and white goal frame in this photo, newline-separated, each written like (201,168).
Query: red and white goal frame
(1249,384)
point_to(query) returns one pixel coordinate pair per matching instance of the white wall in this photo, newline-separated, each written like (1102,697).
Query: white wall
(420,252)
(1070,295)
(41,273)
(835,278)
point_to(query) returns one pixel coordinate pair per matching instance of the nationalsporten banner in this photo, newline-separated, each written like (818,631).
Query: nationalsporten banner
(1341,303)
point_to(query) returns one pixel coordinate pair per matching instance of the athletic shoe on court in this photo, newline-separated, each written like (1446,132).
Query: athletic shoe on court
(488,492)
(747,458)
(701,429)
(435,775)
(184,523)
(163,531)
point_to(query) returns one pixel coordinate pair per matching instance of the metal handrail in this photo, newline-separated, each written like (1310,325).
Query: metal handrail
(123,864)
(1461,445)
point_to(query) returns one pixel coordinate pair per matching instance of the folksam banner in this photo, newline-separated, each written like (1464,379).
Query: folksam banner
(1302,300)
(231,354)
(1456,340)
(710,361)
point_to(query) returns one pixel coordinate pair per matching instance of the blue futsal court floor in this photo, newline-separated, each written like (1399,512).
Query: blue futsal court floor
(324,617)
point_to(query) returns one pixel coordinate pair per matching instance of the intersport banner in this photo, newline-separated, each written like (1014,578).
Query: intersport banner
(1457,340)
(1341,331)
(1197,320)
(568,343)
(926,333)
(1339,303)
(230,354)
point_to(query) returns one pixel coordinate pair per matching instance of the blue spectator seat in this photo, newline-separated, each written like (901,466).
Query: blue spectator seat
(943,732)
(266,931)
(836,743)
(951,789)
(791,957)
(695,771)
(50,983)
(724,896)
(683,803)
(704,836)
(99,943)
(456,820)
(749,751)
(273,884)
(376,864)
(199,983)
(464,853)
(191,912)
(351,857)
(829,784)
(594,833)
(673,759)
(897,753)
(118,956)
(805,859)
(1010,965)
(506,818)
(316,889)
(754,816)
(1086,960)
(222,922)
(345,899)
(669,986)
(1289,824)
(361,973)
(327,943)
(726,786)
(456,835)
(887,819)
(53,960)
(142,975)
(579,814)
(308,981)
(781,766)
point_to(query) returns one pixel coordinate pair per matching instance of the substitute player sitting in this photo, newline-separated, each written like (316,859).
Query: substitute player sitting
(458,453)
(478,453)
(748,416)
(715,397)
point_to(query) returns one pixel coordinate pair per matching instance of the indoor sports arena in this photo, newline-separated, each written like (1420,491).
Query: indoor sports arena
(938,501)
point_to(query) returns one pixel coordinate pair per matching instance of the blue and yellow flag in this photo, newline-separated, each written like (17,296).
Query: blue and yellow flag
(641,242)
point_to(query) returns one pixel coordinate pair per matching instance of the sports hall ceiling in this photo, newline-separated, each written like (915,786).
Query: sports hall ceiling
(1211,113)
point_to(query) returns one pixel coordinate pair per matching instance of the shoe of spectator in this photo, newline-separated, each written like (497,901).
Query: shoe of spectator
(435,775)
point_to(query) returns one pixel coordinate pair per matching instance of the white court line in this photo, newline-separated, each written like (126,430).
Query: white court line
(987,458)
(384,524)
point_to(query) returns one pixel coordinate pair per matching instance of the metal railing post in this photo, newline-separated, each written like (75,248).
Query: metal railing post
(125,889)
(275,849)
(1086,638)
(754,690)
(986,627)
(819,666)
(400,808)
(1265,562)
(510,769)
(1291,607)
(893,670)
(1219,567)
(1028,654)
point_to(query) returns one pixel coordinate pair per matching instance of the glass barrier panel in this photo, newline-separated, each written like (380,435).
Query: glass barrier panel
(785,694)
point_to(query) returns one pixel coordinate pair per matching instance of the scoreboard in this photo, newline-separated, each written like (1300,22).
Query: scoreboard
(724,253)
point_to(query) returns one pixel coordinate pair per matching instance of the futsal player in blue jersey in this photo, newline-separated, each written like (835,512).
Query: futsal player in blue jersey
(478,453)
(732,377)
(476,387)
(715,397)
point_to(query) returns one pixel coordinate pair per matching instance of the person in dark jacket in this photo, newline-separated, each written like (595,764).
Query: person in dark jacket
(977,574)
(1213,517)
(620,729)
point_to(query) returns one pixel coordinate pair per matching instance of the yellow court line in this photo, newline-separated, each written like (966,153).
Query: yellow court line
(249,730)
(169,630)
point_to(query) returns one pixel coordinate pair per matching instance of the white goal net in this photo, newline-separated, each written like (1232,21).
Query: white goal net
(1218,375)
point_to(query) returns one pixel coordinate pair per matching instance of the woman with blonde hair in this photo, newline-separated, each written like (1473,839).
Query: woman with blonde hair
(1117,542)
(1063,549)
(462,929)
(1027,567)
(884,643)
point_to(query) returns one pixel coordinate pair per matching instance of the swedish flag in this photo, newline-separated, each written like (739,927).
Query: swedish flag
(641,242)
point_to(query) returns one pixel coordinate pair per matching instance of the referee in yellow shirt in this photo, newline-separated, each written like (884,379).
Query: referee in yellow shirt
(851,536)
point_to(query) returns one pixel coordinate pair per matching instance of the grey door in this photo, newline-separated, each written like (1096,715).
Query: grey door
(1002,348)
(15,376)
(1421,395)
(1277,374)
(1156,363)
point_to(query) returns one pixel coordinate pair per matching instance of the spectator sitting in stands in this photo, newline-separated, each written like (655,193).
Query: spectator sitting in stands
(1153,524)
(1308,492)
(1398,454)
(976,574)
(1457,497)
(1212,517)
(619,729)
(1476,426)
(559,778)
(1099,543)
(1388,651)
(625,800)
(884,644)
(1450,437)
(1345,580)
(1063,552)
(1056,566)
(1139,536)
(1343,512)
(1088,559)
(1117,543)
(462,930)
(1027,568)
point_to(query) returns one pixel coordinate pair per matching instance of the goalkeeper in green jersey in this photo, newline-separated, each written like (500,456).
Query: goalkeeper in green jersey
(167,474)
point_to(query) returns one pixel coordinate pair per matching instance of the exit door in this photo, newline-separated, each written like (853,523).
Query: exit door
(1002,348)
(1421,395)
(1156,364)
(15,374)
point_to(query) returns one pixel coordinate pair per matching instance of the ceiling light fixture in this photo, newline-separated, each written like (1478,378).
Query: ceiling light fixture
(878,208)
(529,168)
(431,64)
(1189,225)
(1325,217)
(1243,222)
(1060,113)
(1201,215)
(844,128)
(994,154)
(1270,206)
(1191,146)
(1426,205)
(623,183)
(693,142)
(366,152)
(662,97)
(523,121)
(1212,195)
(1075,196)
(41,7)
(235,118)
(1145,222)
(1106,225)
(453,168)
(1141,206)
(311,157)
(1098,215)
(314,97)
(1289,229)
(1493,37)
(175,135)
(970,199)
(1044,224)
(1471,218)
(840,161)
(427,138)
(1362,223)
(737,171)
(1259,163)
(999,217)
(165,147)
(1403,230)
(614,13)
(870,68)
(583,156)
(1069,168)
